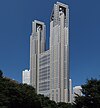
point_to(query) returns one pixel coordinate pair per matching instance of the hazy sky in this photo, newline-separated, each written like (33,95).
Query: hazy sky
(16,18)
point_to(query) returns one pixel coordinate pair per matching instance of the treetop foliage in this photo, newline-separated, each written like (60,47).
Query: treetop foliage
(15,95)
(91,95)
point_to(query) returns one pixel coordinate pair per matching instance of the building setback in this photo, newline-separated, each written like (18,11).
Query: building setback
(49,70)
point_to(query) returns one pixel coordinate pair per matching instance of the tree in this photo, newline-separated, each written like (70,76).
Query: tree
(15,95)
(91,95)
(1,73)
(64,105)
(46,102)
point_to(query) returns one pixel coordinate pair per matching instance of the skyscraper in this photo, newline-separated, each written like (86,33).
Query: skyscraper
(37,46)
(50,69)
(59,53)
(39,59)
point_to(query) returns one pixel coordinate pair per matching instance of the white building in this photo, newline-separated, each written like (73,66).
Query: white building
(49,70)
(26,77)
(77,91)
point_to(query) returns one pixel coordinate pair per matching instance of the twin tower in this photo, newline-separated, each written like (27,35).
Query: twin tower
(50,69)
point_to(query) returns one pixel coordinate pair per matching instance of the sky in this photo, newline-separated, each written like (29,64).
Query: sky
(16,18)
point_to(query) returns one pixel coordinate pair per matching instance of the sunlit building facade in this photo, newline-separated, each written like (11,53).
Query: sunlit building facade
(44,74)
(49,70)
(77,90)
(59,53)
(26,77)
(37,46)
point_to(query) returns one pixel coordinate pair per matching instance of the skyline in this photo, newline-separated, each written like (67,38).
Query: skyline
(14,53)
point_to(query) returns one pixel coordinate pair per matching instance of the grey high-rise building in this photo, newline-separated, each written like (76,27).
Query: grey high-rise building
(39,59)
(59,53)
(49,70)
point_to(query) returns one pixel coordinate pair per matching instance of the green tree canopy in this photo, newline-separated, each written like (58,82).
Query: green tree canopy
(15,95)
(65,105)
(91,95)
(1,73)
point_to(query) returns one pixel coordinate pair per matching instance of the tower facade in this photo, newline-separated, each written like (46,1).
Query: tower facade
(37,46)
(59,53)
(49,70)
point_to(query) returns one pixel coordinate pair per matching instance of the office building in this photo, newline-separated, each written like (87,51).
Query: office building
(59,53)
(49,70)
(37,46)
(44,74)
(26,77)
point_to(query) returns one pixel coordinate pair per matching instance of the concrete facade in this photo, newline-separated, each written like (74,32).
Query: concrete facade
(59,53)
(44,74)
(49,70)
(37,46)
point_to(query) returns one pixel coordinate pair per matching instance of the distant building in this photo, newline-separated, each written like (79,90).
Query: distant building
(49,70)
(77,90)
(26,77)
